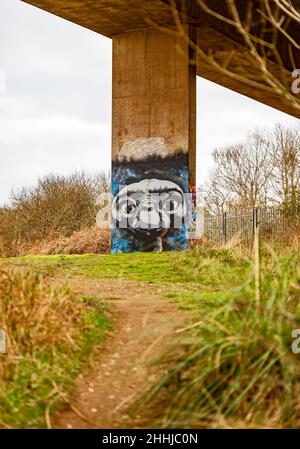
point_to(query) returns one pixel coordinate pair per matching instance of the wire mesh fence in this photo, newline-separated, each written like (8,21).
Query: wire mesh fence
(272,223)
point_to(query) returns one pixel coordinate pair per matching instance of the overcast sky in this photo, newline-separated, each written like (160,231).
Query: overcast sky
(55,114)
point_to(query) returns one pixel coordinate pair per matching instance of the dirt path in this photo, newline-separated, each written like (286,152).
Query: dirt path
(122,370)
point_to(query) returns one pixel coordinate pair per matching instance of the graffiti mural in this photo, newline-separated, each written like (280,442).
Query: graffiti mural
(151,201)
(193,202)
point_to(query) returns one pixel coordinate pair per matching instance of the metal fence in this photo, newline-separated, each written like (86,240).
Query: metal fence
(272,222)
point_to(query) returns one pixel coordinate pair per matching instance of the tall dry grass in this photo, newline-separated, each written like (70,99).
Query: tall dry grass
(87,241)
(234,367)
(49,333)
(35,315)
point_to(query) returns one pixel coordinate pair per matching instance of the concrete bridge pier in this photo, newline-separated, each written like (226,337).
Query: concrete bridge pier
(153,141)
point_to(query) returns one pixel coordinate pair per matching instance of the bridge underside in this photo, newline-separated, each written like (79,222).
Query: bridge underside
(115,17)
(154,102)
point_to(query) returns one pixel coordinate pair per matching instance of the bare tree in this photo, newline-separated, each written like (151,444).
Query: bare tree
(261,28)
(217,199)
(242,177)
(265,45)
(286,166)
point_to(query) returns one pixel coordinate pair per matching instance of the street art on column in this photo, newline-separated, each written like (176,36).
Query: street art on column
(151,203)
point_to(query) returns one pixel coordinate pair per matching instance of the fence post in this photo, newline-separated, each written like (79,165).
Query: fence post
(257,220)
(254,220)
(224,226)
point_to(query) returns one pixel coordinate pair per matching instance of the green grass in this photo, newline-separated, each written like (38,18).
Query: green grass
(199,267)
(52,334)
(186,278)
(234,365)
(43,381)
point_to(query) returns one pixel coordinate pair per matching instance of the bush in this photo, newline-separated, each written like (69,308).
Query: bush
(56,207)
(87,241)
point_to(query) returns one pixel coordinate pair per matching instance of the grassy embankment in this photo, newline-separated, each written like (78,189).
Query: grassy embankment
(234,366)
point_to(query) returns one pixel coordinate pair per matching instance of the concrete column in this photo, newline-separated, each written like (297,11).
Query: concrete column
(153,140)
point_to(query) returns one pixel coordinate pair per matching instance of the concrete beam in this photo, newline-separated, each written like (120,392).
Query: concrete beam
(108,17)
(116,17)
(208,39)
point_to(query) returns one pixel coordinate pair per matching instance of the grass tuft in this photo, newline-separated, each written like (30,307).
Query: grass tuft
(50,333)
(235,364)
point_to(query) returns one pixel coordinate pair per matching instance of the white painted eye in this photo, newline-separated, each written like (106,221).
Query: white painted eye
(127,207)
(172,203)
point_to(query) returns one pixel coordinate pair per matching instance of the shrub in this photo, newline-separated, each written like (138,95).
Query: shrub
(56,207)
(87,241)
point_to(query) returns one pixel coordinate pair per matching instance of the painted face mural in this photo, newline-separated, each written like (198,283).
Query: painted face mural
(150,210)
